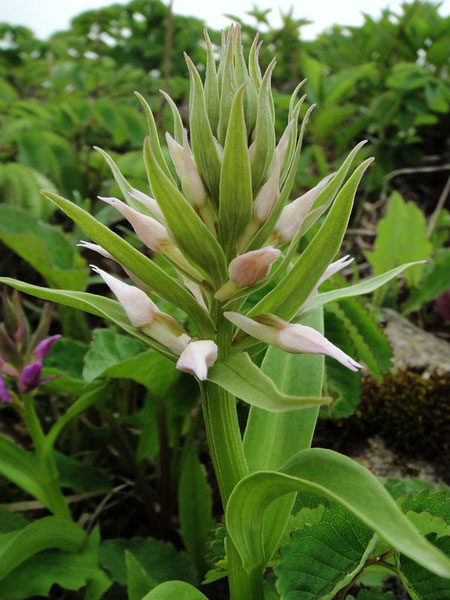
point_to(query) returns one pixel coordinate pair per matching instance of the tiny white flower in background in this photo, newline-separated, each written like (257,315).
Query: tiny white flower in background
(248,268)
(197,357)
(139,308)
(293,215)
(291,337)
(149,203)
(149,230)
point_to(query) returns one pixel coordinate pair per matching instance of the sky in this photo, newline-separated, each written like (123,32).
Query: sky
(44,17)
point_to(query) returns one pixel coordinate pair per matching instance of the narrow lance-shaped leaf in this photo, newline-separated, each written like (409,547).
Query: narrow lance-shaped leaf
(264,131)
(236,199)
(211,86)
(146,270)
(91,303)
(228,88)
(190,233)
(290,294)
(177,122)
(241,377)
(242,76)
(154,139)
(253,64)
(203,146)
(332,475)
(363,287)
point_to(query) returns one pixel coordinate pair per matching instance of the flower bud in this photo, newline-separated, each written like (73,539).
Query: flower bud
(291,337)
(30,377)
(197,357)
(5,394)
(268,195)
(149,203)
(138,306)
(149,230)
(44,348)
(248,268)
(293,215)
(283,144)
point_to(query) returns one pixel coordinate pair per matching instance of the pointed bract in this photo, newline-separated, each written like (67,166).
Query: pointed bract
(197,357)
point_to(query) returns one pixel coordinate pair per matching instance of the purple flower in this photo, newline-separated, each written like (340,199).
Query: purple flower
(5,394)
(44,348)
(30,377)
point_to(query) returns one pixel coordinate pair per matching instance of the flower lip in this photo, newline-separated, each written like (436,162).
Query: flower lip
(197,357)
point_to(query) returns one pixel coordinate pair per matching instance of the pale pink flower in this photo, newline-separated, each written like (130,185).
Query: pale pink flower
(197,357)
(268,195)
(149,203)
(291,337)
(248,268)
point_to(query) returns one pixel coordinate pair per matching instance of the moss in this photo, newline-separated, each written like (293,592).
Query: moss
(410,413)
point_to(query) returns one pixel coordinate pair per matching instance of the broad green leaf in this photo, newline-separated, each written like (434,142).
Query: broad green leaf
(91,303)
(401,236)
(428,523)
(138,582)
(192,236)
(21,468)
(80,476)
(363,287)
(241,377)
(330,474)
(292,291)
(194,508)
(67,357)
(146,270)
(11,521)
(236,198)
(420,582)
(323,558)
(436,281)
(175,589)
(203,145)
(37,575)
(20,187)
(45,247)
(43,534)
(160,560)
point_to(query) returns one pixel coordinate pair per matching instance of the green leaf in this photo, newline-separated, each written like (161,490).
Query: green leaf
(401,236)
(146,270)
(21,468)
(330,474)
(138,582)
(194,508)
(264,132)
(175,589)
(212,98)
(37,575)
(177,122)
(236,198)
(227,86)
(292,291)
(80,477)
(420,582)
(323,558)
(45,247)
(20,188)
(10,521)
(160,560)
(108,349)
(435,282)
(363,287)
(43,534)
(240,376)
(192,236)
(203,145)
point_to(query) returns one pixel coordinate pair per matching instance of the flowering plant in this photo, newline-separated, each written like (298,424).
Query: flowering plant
(226,229)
